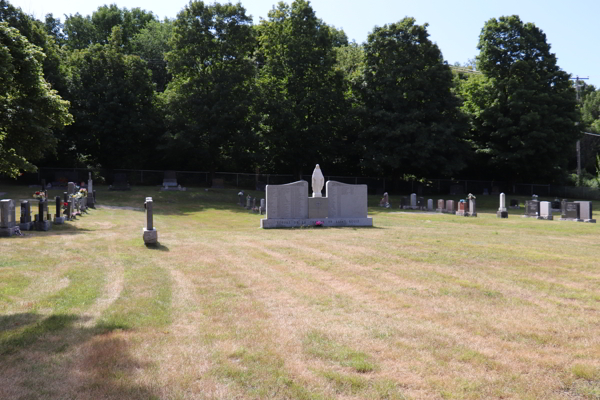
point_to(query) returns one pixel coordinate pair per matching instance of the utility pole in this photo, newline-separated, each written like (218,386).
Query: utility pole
(578,144)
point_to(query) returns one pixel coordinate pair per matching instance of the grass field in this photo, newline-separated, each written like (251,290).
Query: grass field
(421,306)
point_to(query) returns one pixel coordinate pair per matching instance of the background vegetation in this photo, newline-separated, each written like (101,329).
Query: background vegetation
(211,91)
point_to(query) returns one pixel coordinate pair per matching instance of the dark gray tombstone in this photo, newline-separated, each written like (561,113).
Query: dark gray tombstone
(25,221)
(420,203)
(8,218)
(58,218)
(65,196)
(70,189)
(42,223)
(555,204)
(253,203)
(90,192)
(120,182)
(532,209)
(404,203)
(241,199)
(170,179)
(585,211)
(563,209)
(69,211)
(263,206)
(149,234)
(572,212)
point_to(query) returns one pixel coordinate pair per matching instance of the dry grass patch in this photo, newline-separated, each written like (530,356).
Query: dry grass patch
(420,307)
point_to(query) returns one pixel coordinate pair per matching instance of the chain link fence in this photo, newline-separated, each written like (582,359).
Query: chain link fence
(254,181)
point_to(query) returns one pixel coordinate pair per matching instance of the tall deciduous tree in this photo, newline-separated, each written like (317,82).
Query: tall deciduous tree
(152,44)
(209,99)
(29,108)
(524,110)
(412,120)
(113,102)
(302,91)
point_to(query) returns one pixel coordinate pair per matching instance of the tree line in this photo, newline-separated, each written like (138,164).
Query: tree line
(210,90)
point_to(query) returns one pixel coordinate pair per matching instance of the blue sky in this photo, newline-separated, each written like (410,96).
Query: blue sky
(570,27)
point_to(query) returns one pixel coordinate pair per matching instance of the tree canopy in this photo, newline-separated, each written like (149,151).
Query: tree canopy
(29,107)
(523,108)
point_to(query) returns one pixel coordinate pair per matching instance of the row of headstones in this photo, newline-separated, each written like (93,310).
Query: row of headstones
(462,207)
(43,220)
(250,203)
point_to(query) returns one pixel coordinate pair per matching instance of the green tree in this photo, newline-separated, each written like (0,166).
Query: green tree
(81,32)
(35,32)
(302,91)
(152,44)
(208,102)
(114,104)
(413,124)
(524,109)
(29,108)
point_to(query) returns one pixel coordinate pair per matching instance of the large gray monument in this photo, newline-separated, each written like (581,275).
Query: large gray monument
(289,205)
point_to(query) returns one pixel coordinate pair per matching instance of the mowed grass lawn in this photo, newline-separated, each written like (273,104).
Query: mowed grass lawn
(421,306)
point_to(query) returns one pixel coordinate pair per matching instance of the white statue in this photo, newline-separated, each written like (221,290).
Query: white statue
(318,180)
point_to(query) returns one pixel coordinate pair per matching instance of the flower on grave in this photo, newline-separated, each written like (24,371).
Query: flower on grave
(39,195)
(319,223)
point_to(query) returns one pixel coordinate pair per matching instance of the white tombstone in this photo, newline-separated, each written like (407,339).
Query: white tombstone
(430,205)
(413,201)
(318,180)
(502,202)
(546,210)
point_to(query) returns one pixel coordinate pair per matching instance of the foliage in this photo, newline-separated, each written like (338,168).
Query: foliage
(302,93)
(412,119)
(524,109)
(29,108)
(113,102)
(152,43)
(208,102)
(82,32)
(591,112)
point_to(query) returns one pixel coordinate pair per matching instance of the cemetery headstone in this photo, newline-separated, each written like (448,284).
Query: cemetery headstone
(546,210)
(90,191)
(65,196)
(71,189)
(471,207)
(556,205)
(462,205)
(532,209)
(25,222)
(385,200)
(289,206)
(413,201)
(8,218)
(58,219)
(262,206)
(430,205)
(585,211)
(450,206)
(120,182)
(404,203)
(440,205)
(69,211)
(241,198)
(248,202)
(42,222)
(572,212)
(149,233)
(420,203)
(170,182)
(502,212)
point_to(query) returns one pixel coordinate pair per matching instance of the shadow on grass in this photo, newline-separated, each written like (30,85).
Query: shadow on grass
(56,357)
(157,246)
(14,321)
